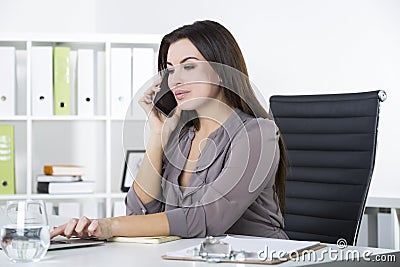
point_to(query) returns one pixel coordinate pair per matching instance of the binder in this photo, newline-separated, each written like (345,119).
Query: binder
(7,81)
(121,61)
(61,79)
(42,80)
(85,82)
(100,82)
(73,66)
(143,71)
(7,170)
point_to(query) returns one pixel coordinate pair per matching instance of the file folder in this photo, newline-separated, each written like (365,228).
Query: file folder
(42,80)
(61,79)
(7,81)
(85,82)
(121,66)
(100,82)
(7,171)
(143,72)
(73,65)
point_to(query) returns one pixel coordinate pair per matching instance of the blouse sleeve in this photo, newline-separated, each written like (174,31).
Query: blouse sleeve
(134,205)
(251,164)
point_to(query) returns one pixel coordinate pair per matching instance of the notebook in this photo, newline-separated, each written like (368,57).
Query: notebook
(144,240)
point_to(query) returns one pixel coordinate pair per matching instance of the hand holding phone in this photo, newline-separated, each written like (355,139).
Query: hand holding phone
(164,100)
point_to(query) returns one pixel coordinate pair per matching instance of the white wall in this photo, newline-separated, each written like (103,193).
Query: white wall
(291,47)
(52,16)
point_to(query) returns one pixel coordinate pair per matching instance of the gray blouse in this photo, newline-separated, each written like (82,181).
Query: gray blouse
(231,189)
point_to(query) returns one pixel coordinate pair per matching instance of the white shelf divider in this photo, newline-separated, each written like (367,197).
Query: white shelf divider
(29,121)
(108,129)
(70,118)
(14,118)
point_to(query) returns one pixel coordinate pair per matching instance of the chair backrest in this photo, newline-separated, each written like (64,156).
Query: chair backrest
(331,143)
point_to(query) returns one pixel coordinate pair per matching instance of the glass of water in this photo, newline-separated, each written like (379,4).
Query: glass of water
(26,236)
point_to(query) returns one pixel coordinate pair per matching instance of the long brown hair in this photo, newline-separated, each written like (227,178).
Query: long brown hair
(218,45)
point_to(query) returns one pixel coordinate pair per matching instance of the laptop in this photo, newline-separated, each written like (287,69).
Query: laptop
(60,242)
(64,243)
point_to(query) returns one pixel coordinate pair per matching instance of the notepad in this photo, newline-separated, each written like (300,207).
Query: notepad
(144,239)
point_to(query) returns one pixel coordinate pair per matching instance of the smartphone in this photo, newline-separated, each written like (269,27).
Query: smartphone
(164,100)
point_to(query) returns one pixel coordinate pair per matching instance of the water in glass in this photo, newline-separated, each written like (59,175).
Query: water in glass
(27,236)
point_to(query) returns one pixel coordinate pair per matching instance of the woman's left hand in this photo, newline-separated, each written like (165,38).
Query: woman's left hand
(84,227)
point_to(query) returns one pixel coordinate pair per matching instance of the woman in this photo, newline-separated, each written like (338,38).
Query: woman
(217,165)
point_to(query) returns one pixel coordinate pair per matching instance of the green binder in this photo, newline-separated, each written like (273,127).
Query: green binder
(7,172)
(61,80)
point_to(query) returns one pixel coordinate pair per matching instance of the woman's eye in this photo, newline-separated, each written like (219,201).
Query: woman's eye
(189,67)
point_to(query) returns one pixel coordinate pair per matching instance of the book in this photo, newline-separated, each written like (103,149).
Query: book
(144,239)
(7,168)
(70,170)
(65,188)
(61,80)
(58,178)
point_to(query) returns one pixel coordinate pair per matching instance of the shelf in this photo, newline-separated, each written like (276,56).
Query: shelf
(69,196)
(117,195)
(12,197)
(53,196)
(62,196)
(69,118)
(118,118)
(14,118)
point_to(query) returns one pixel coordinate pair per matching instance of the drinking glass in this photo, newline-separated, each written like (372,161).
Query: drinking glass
(26,236)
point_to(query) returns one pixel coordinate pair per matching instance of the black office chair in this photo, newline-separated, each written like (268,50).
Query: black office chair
(331,142)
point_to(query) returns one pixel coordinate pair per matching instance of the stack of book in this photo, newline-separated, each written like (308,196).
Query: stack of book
(63,179)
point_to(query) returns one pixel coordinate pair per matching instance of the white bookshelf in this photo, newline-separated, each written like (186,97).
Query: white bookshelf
(92,141)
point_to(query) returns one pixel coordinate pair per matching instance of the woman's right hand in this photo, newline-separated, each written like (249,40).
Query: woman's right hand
(84,228)
(159,123)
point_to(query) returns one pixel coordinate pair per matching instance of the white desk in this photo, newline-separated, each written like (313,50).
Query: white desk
(129,254)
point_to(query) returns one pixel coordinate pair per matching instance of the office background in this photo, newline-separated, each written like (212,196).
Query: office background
(291,47)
